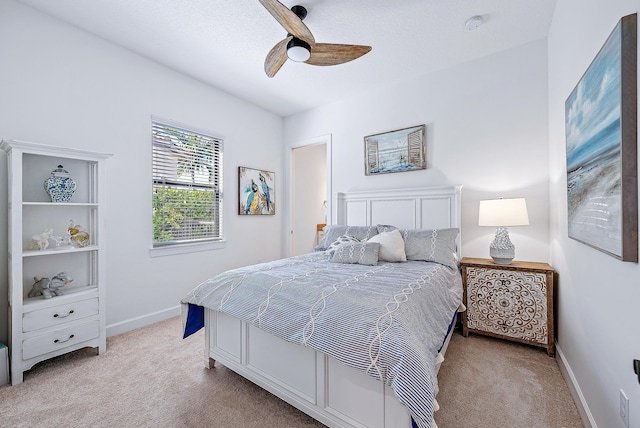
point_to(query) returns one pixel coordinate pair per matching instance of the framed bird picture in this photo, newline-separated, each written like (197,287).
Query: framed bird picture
(257,193)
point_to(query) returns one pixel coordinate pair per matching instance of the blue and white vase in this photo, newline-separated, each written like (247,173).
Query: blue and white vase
(60,186)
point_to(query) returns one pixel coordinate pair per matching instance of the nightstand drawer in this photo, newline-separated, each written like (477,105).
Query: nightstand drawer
(58,315)
(59,339)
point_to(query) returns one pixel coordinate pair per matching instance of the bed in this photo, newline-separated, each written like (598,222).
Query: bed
(350,334)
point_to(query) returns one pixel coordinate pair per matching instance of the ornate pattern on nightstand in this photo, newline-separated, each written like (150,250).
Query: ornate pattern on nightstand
(511,303)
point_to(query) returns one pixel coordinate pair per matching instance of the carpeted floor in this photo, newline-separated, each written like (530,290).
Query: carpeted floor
(152,378)
(488,382)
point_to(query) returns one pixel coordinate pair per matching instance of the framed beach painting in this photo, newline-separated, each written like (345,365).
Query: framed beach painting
(395,151)
(257,193)
(601,136)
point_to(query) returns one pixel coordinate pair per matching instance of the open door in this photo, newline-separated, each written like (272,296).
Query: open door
(308,195)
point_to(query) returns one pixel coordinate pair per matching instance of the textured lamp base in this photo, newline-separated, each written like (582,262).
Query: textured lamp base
(501,250)
(500,260)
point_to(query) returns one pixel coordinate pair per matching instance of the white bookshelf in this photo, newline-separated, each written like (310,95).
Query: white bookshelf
(41,328)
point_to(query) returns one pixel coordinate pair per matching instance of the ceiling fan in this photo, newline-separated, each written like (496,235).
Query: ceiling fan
(300,46)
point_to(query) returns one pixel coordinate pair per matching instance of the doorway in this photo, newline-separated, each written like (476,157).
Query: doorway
(310,204)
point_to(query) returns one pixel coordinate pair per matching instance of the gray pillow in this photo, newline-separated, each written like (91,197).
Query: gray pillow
(363,253)
(385,228)
(334,231)
(429,245)
(344,239)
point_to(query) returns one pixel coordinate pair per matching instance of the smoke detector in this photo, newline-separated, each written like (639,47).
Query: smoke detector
(473,22)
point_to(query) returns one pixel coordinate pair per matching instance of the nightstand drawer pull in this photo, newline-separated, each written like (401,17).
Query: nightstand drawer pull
(63,341)
(63,316)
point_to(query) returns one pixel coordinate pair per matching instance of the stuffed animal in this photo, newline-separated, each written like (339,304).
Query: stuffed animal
(49,287)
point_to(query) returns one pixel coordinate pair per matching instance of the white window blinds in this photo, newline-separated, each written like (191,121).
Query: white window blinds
(187,185)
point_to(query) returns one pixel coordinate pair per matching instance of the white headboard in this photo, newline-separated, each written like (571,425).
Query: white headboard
(419,208)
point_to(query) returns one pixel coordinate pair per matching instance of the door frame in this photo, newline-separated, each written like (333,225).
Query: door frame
(321,139)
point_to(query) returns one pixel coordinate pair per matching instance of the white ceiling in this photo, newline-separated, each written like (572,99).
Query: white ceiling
(224,42)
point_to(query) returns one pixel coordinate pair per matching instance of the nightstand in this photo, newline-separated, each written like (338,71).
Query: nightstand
(513,302)
(319,232)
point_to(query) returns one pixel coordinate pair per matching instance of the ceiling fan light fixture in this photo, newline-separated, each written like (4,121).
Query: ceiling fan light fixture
(298,50)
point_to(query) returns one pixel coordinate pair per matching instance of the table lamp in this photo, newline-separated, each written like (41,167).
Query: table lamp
(502,213)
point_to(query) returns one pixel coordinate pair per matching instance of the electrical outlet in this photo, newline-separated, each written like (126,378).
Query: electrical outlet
(624,408)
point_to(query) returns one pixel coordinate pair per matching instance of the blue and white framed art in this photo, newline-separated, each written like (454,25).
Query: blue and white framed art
(601,137)
(395,151)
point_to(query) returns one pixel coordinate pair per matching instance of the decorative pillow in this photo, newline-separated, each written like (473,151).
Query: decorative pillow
(344,239)
(385,228)
(363,253)
(437,245)
(333,231)
(391,246)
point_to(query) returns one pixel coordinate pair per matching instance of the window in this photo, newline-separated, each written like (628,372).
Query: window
(187,186)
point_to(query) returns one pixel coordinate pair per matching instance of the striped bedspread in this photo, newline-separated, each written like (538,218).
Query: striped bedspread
(388,320)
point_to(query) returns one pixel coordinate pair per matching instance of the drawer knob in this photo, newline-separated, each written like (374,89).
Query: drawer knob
(63,316)
(63,341)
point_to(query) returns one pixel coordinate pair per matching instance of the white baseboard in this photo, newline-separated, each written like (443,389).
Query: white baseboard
(574,388)
(134,323)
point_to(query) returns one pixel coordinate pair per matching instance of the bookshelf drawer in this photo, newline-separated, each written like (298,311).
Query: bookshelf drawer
(57,315)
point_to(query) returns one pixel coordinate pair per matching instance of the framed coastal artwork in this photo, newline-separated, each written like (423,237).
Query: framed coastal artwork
(395,151)
(257,192)
(601,137)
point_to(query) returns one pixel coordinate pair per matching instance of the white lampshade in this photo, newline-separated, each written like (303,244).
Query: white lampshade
(503,212)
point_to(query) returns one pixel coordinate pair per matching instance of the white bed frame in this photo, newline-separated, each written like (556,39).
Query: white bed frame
(332,393)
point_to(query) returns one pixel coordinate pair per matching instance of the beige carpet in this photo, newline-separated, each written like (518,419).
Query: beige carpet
(152,378)
(487,382)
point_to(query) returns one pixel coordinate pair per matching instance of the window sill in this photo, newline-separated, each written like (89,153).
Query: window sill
(171,250)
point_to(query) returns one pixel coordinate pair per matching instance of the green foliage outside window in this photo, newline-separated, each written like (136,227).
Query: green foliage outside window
(182,214)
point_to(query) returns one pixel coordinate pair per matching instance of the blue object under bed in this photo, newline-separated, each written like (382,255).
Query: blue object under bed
(195,320)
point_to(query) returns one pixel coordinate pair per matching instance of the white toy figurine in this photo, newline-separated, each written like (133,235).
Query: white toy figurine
(49,287)
(40,241)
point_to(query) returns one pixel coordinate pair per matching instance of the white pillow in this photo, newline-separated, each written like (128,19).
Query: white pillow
(391,246)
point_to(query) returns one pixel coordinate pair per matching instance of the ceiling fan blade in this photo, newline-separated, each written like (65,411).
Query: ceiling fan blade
(333,54)
(276,57)
(288,20)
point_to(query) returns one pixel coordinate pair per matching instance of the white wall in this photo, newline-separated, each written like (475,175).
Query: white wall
(599,296)
(486,129)
(62,86)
